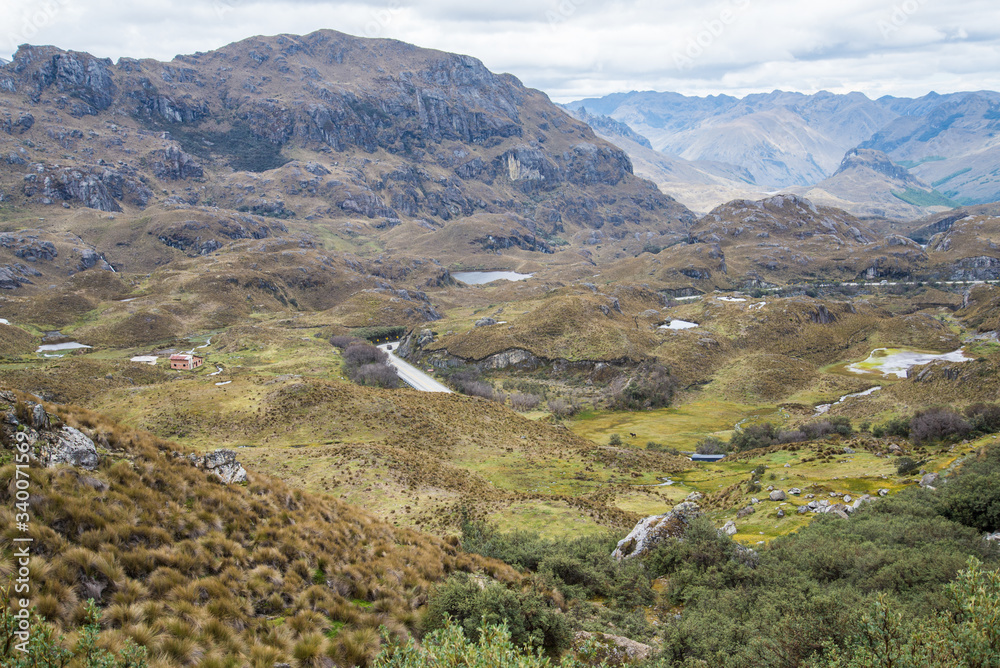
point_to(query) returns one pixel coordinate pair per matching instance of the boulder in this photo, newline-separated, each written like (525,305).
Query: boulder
(781,512)
(839,510)
(75,448)
(992,537)
(223,463)
(39,418)
(653,530)
(745,512)
(883,492)
(803,510)
(694,497)
(612,650)
(895,449)
(777,495)
(485,322)
(847,498)
(729,528)
(795,490)
(929,480)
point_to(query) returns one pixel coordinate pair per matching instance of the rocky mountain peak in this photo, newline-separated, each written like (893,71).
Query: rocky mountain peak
(875,160)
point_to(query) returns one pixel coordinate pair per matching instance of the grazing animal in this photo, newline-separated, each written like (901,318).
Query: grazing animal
(631,434)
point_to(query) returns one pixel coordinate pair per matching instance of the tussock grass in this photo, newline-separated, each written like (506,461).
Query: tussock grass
(194,569)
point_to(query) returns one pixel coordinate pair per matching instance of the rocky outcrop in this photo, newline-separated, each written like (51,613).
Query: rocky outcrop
(29,247)
(222,463)
(516,357)
(71,447)
(97,187)
(653,530)
(13,276)
(174,164)
(980,268)
(80,76)
(609,649)
(201,237)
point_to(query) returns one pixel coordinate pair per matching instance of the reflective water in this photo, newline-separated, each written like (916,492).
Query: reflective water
(896,362)
(483,277)
(679,324)
(53,347)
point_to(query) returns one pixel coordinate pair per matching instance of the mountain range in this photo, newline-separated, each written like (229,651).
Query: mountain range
(795,142)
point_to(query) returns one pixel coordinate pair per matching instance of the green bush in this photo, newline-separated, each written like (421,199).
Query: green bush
(710,445)
(532,622)
(753,436)
(652,387)
(449,646)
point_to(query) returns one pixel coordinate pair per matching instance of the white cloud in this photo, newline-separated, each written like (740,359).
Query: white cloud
(578,48)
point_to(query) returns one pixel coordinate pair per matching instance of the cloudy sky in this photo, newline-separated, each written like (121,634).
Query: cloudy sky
(582,48)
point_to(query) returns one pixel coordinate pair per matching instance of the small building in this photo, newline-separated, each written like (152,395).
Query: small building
(145,359)
(706,458)
(186,362)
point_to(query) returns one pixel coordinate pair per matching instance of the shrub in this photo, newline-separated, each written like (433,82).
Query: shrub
(834,425)
(359,354)
(524,402)
(376,375)
(653,446)
(936,424)
(984,418)
(973,497)
(905,465)
(615,439)
(710,445)
(343,341)
(380,334)
(562,407)
(532,622)
(653,387)
(899,426)
(449,646)
(754,436)
(478,388)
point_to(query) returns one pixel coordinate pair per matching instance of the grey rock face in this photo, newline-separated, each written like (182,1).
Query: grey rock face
(223,463)
(174,164)
(94,187)
(39,418)
(73,447)
(653,530)
(622,650)
(729,528)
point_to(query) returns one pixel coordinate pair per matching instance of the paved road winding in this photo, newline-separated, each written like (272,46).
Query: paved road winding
(410,374)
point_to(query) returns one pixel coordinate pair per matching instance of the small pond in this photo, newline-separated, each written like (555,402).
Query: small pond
(56,347)
(679,324)
(897,361)
(483,277)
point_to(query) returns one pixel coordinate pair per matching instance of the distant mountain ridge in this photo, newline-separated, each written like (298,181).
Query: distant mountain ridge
(794,140)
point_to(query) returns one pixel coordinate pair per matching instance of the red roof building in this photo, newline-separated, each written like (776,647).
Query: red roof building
(185,362)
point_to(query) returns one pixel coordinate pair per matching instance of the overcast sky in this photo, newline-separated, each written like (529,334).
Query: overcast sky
(582,48)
